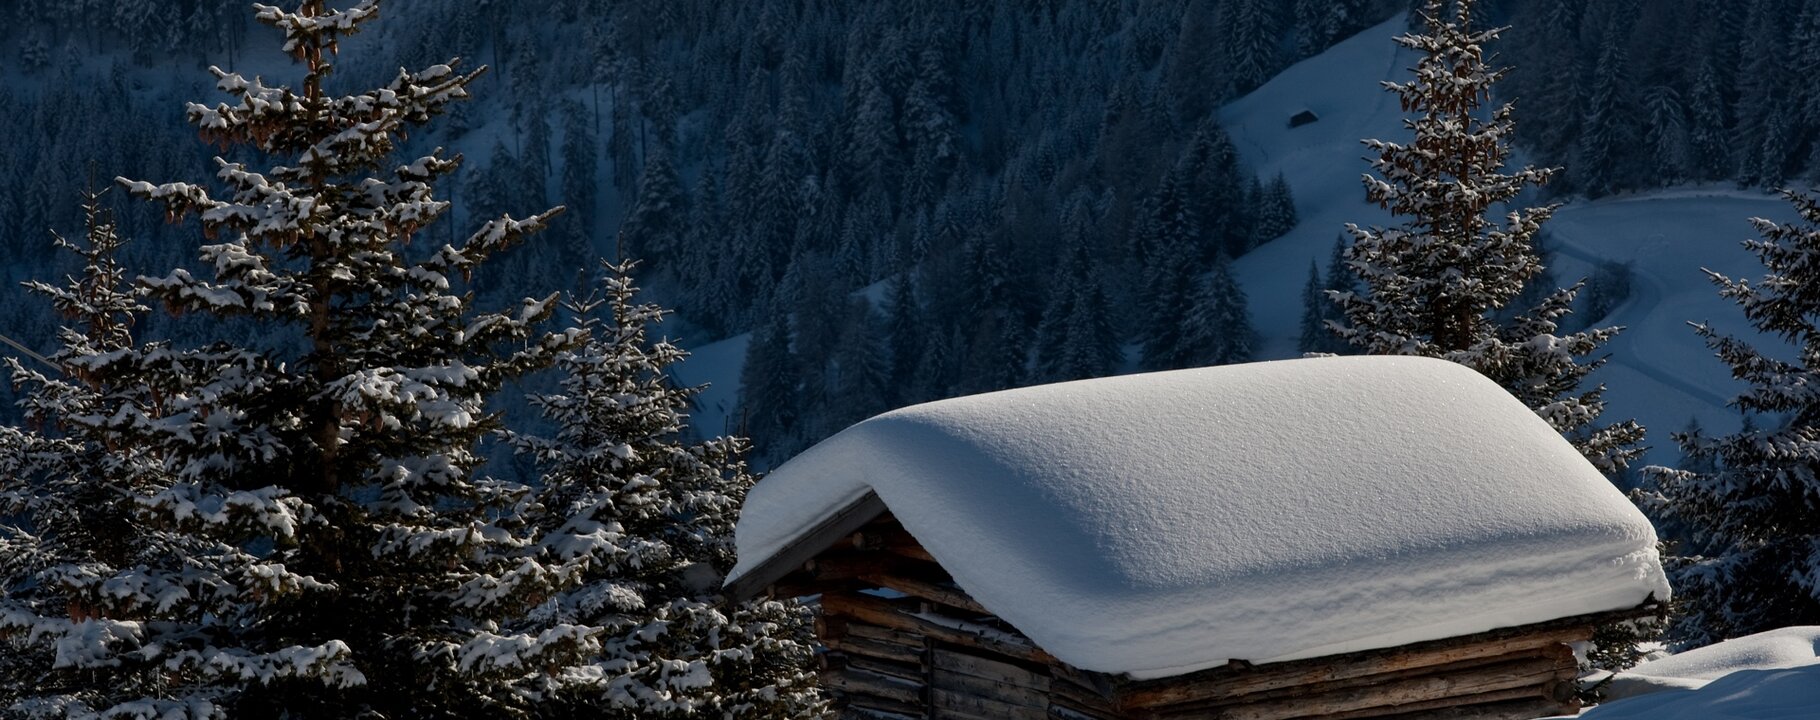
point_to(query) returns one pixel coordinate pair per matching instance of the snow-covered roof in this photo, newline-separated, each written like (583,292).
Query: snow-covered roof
(1164,523)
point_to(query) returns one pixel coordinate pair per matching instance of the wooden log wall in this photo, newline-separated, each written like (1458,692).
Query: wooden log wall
(904,642)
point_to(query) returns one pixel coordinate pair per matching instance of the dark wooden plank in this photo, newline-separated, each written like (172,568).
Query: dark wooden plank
(874,649)
(880,612)
(930,590)
(885,635)
(1035,698)
(1516,679)
(1503,705)
(1193,686)
(806,546)
(1256,689)
(950,704)
(997,671)
(853,681)
(861,706)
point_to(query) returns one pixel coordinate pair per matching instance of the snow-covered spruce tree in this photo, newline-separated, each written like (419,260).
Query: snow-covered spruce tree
(632,534)
(308,520)
(104,612)
(1747,501)
(1437,284)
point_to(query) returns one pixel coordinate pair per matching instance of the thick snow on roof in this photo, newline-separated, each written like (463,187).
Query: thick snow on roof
(1163,523)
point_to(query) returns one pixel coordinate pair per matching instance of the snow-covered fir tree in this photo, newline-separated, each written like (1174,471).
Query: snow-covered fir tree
(1076,338)
(631,533)
(313,511)
(1217,329)
(1314,334)
(1746,502)
(1438,284)
(106,605)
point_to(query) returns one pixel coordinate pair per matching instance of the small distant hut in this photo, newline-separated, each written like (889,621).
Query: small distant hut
(1324,538)
(1303,117)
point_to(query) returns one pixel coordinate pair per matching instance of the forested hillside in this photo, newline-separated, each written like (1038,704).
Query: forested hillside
(1025,192)
(768,159)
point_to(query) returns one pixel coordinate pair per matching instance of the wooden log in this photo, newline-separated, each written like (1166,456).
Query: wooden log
(950,704)
(1069,712)
(1073,696)
(828,568)
(987,669)
(857,646)
(911,550)
(880,612)
(911,671)
(1227,683)
(886,635)
(1525,677)
(990,689)
(932,591)
(883,707)
(1578,628)
(854,682)
(1095,684)
(1500,705)
(860,712)
(830,626)
(1561,656)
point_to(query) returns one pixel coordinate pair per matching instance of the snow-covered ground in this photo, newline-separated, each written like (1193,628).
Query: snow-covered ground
(1660,372)
(1773,675)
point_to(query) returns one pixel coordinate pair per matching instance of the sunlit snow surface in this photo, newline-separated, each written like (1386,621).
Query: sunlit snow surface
(1660,372)
(1158,524)
(1772,675)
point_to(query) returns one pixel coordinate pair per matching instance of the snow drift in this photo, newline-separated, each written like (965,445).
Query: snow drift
(1159,524)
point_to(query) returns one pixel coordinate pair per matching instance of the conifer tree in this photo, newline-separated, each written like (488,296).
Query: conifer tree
(580,180)
(1747,500)
(769,387)
(1076,339)
(1217,328)
(654,227)
(73,527)
(904,333)
(1436,284)
(630,535)
(1276,211)
(315,517)
(1315,335)
(862,366)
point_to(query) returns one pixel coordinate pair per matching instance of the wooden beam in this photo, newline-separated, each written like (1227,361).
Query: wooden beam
(880,612)
(807,545)
(1351,669)
(1516,679)
(1502,641)
(859,682)
(871,648)
(961,663)
(948,703)
(1501,705)
(939,593)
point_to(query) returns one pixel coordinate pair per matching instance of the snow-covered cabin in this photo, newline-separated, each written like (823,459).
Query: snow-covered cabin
(1334,537)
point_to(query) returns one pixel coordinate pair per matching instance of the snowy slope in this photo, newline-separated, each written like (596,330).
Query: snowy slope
(1773,675)
(1788,647)
(1163,523)
(1660,372)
